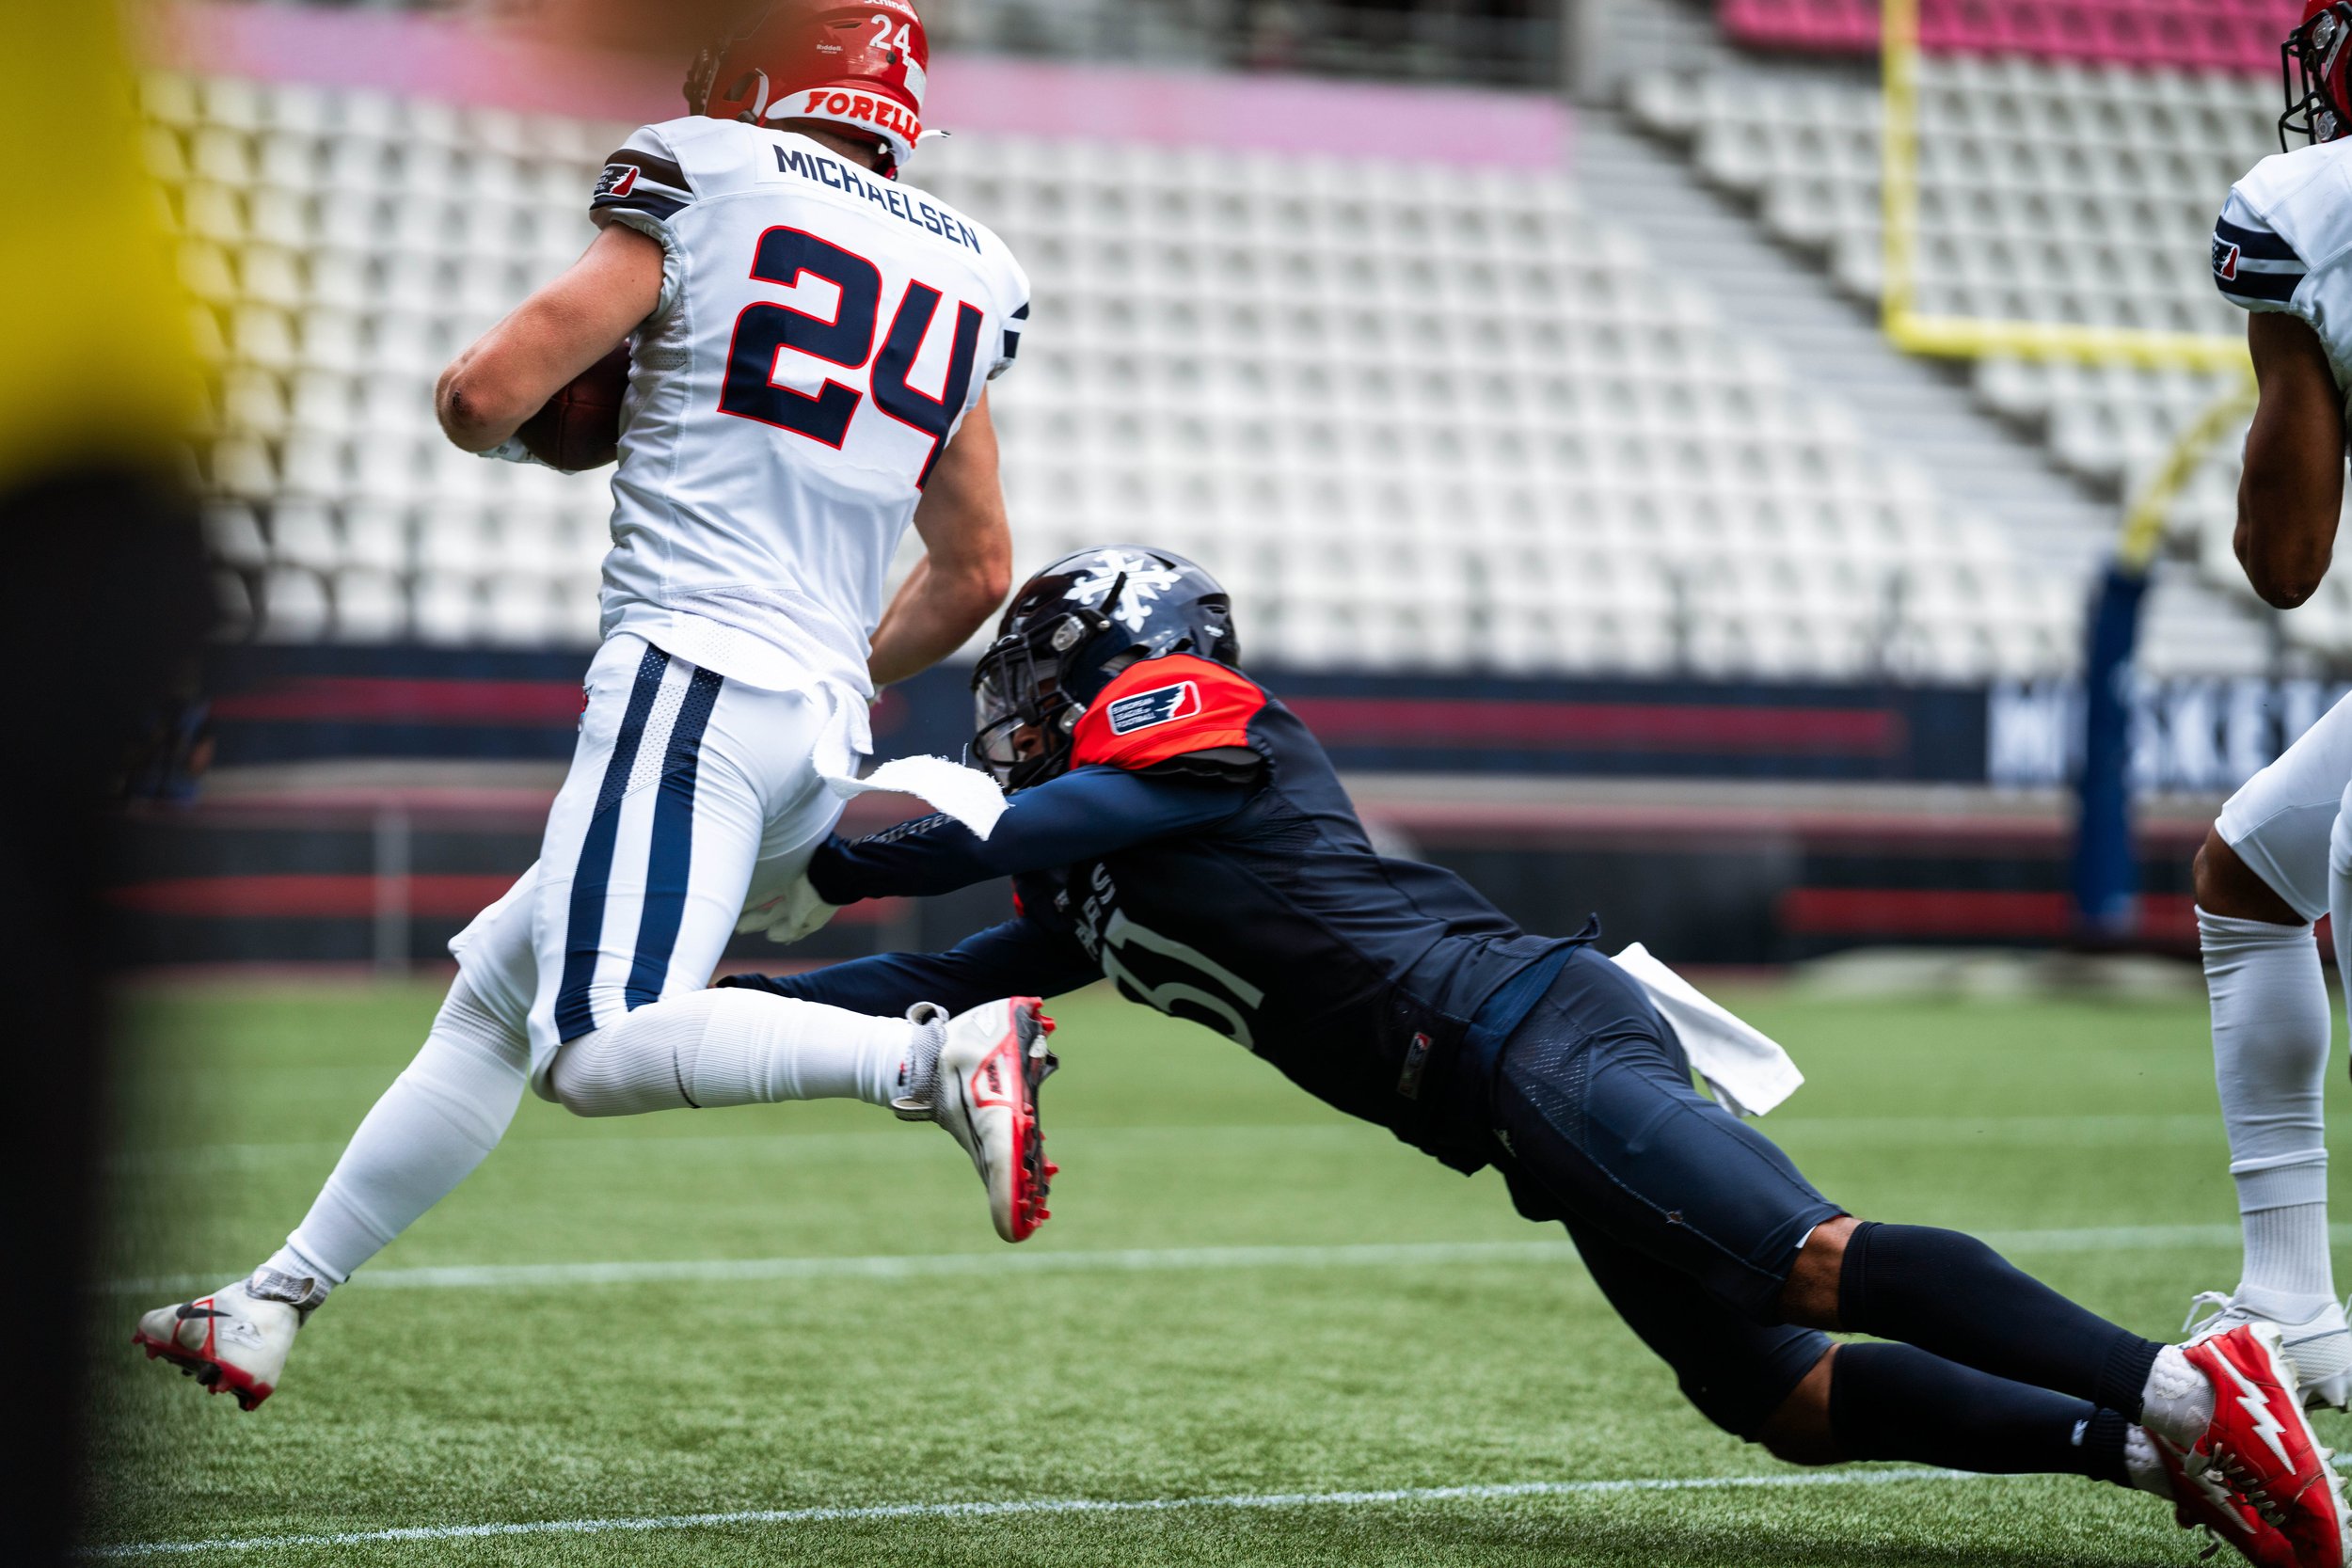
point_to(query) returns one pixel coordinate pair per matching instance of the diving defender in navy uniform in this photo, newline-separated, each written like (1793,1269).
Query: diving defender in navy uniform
(1174,828)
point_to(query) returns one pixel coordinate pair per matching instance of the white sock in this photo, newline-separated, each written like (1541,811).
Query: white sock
(425,1135)
(2141,1467)
(2271,1028)
(2177,1404)
(2288,1274)
(731,1048)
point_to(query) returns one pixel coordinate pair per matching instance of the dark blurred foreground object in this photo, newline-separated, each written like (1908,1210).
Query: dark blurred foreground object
(110,600)
(118,604)
(581,426)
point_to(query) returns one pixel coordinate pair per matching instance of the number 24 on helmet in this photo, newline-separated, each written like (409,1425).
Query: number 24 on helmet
(864,68)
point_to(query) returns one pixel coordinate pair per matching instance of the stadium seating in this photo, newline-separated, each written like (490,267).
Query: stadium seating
(1417,416)
(2055,192)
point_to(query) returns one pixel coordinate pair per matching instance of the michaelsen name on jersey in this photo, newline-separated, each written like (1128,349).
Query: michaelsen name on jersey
(841,177)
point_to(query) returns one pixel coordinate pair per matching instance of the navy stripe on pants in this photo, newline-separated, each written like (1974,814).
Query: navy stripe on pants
(672,855)
(584,933)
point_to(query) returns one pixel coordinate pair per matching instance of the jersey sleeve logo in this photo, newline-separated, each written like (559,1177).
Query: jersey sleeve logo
(1162,704)
(618,181)
(2253,266)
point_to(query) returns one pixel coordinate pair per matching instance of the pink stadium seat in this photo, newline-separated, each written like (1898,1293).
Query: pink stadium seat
(2240,36)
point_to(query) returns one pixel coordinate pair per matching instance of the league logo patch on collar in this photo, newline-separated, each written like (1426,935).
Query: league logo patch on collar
(1162,704)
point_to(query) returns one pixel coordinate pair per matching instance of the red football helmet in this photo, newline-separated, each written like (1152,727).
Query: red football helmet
(2314,60)
(861,65)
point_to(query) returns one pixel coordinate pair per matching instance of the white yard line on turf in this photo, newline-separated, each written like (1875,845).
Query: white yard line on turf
(463,1277)
(208,1159)
(1268,1500)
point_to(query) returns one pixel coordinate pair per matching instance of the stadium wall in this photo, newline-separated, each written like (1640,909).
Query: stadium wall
(280,705)
(368,800)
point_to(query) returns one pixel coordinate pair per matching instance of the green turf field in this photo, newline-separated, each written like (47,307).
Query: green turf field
(1243,1310)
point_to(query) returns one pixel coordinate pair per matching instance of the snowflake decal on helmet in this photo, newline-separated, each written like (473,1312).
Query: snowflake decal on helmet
(1147,579)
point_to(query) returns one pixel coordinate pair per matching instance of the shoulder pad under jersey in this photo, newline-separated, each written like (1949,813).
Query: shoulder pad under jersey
(1162,709)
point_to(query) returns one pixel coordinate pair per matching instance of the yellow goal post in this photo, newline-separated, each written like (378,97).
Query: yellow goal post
(1973,338)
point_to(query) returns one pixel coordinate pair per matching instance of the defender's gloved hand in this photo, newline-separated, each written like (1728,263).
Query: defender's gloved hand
(798,914)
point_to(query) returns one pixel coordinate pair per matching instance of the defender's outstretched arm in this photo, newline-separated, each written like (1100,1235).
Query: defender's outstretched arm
(966,569)
(1079,816)
(2292,495)
(1021,956)
(549,340)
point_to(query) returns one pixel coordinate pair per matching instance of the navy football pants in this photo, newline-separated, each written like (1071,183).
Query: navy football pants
(1688,1220)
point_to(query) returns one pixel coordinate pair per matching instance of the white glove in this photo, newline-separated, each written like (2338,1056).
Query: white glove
(798,914)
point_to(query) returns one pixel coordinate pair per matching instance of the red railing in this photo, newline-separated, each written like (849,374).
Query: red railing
(2196,35)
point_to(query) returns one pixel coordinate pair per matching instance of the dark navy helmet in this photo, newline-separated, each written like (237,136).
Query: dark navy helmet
(1068,631)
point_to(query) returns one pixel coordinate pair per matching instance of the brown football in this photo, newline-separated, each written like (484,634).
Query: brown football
(581,426)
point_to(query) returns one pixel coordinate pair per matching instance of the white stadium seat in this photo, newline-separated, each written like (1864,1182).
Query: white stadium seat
(2053,192)
(369,607)
(295,605)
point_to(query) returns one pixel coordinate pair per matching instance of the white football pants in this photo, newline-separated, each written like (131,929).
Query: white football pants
(689,796)
(2271,1025)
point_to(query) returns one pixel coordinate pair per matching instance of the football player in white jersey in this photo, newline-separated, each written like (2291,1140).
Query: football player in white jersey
(2280,856)
(811,346)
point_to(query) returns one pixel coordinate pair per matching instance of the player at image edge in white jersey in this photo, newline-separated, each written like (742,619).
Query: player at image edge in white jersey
(2280,855)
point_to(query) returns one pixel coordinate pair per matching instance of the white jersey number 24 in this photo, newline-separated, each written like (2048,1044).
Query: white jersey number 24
(765,331)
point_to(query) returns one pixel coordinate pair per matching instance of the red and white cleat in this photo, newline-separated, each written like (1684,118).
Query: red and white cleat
(984,1093)
(2201,1500)
(2262,1446)
(231,1342)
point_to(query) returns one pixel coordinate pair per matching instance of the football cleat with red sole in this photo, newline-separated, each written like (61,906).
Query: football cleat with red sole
(2201,1500)
(984,1093)
(2261,1445)
(231,1341)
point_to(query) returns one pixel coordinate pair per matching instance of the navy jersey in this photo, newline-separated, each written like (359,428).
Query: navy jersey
(1202,856)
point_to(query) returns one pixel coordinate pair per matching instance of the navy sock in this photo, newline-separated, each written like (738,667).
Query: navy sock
(1892,1401)
(1953,1296)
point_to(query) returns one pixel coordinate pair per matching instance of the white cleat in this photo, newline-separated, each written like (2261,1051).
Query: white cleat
(984,1093)
(2320,1346)
(233,1342)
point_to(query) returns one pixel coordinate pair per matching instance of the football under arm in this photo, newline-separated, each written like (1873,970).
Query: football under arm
(549,340)
(1079,816)
(1020,957)
(966,568)
(2291,493)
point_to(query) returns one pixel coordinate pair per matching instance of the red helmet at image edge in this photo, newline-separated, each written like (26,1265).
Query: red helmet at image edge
(864,68)
(2316,56)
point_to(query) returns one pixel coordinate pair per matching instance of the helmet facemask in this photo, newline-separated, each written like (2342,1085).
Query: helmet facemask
(1069,632)
(2312,62)
(1025,707)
